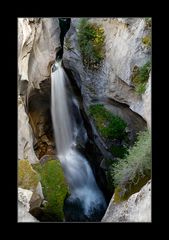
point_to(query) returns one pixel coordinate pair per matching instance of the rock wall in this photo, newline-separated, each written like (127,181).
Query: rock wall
(25,136)
(24,197)
(136,209)
(123,50)
(38,44)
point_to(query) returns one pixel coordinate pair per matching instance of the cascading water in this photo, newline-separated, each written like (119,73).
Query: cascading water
(77,171)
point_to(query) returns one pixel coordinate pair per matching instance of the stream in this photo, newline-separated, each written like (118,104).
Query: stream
(86,197)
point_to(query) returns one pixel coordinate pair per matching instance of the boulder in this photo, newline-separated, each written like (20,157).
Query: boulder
(136,209)
(24,196)
(23,215)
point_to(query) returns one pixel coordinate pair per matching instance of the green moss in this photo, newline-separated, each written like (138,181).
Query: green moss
(140,88)
(119,151)
(123,194)
(111,128)
(27,177)
(146,40)
(109,125)
(140,77)
(91,42)
(128,172)
(55,188)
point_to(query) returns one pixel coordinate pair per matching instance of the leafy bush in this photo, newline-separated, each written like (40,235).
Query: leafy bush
(91,41)
(27,177)
(55,188)
(140,77)
(136,166)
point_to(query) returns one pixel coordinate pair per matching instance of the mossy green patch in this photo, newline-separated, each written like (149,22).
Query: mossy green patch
(119,151)
(140,77)
(146,40)
(54,186)
(109,125)
(28,178)
(123,194)
(111,128)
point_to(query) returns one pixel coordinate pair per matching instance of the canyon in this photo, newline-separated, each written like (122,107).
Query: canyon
(42,43)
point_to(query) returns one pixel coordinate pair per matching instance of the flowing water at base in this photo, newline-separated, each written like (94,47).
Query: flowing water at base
(77,170)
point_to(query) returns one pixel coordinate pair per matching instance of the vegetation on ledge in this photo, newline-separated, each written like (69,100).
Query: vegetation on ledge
(55,188)
(110,127)
(131,173)
(140,77)
(91,42)
(146,40)
(28,178)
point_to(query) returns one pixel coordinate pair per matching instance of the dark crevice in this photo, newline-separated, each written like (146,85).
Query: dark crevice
(64,24)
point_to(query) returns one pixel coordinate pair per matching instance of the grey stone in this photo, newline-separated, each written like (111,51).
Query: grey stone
(136,209)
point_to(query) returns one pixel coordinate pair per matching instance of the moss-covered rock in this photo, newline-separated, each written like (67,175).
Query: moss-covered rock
(122,194)
(28,178)
(109,125)
(55,188)
(111,128)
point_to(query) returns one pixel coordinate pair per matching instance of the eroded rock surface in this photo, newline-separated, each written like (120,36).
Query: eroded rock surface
(136,209)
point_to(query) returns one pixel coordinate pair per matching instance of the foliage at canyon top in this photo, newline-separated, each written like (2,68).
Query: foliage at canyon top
(91,42)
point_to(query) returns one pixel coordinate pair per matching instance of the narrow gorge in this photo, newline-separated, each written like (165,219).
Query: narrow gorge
(84,119)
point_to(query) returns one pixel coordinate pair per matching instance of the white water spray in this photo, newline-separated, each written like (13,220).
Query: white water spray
(76,168)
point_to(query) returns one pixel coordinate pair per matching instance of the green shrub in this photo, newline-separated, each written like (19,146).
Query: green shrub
(140,77)
(91,42)
(110,126)
(27,177)
(128,172)
(140,88)
(54,186)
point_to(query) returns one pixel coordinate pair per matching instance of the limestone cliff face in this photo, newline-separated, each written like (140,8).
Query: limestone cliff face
(25,136)
(24,197)
(124,49)
(136,209)
(38,43)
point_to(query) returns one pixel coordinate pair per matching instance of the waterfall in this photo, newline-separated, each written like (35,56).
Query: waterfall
(76,168)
